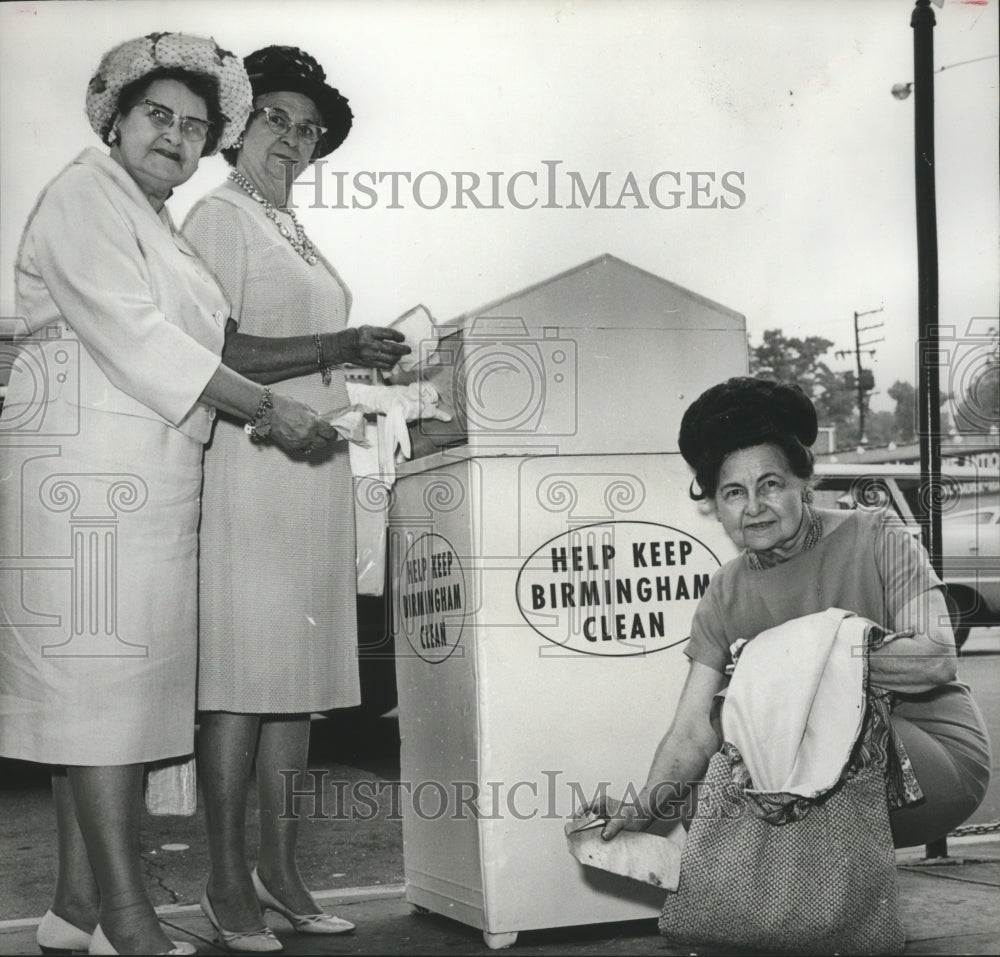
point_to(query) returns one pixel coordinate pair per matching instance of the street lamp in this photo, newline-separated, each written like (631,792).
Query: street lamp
(902,90)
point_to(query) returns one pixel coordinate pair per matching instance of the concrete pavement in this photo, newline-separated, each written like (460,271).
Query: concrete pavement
(948,908)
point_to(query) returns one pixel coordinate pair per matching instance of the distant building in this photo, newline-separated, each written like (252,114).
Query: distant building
(982,451)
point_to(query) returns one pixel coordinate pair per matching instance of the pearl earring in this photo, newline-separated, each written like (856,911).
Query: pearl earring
(113,136)
(807,495)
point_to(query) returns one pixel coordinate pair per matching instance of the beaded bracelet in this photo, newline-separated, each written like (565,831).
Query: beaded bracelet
(259,427)
(324,367)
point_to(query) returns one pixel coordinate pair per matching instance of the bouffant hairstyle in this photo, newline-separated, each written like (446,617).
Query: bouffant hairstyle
(200,84)
(739,414)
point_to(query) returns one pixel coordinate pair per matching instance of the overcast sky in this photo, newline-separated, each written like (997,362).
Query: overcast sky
(814,221)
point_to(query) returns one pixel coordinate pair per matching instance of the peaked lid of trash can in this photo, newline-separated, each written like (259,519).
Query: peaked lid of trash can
(608,293)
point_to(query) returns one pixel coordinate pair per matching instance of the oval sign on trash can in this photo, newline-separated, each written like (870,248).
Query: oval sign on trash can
(431,598)
(615,588)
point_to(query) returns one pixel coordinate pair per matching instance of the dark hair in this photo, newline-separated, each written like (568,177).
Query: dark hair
(200,84)
(741,413)
(798,457)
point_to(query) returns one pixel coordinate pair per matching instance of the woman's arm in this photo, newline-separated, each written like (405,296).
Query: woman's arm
(921,661)
(294,425)
(681,757)
(268,359)
(924,656)
(221,235)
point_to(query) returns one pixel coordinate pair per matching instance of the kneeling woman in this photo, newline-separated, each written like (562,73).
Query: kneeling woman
(747,441)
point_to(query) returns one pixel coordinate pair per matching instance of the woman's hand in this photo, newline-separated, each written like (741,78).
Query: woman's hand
(634,815)
(920,654)
(373,347)
(296,427)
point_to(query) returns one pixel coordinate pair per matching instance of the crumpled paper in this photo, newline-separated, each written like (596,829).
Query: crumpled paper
(640,855)
(417,326)
(349,423)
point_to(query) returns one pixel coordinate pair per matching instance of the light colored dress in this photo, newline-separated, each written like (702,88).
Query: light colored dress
(101,441)
(869,565)
(278,618)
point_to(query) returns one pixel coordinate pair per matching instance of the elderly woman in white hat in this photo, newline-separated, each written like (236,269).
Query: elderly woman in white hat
(110,402)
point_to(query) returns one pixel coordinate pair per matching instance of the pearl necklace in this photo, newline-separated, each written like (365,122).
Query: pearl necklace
(299,242)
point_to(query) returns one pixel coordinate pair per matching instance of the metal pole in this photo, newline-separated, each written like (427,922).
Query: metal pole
(861,388)
(922,21)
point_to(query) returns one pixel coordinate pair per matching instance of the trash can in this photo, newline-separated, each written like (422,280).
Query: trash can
(545,562)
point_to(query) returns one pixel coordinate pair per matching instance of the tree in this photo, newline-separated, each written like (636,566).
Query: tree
(905,413)
(799,361)
(835,393)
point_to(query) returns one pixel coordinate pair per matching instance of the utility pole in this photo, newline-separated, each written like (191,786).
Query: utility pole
(928,387)
(865,383)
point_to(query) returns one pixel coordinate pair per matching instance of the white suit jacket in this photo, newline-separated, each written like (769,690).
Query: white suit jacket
(120,314)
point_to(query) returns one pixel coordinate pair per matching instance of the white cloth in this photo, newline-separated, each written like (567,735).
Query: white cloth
(396,405)
(374,465)
(796,702)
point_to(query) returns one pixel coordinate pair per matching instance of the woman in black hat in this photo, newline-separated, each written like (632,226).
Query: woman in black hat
(278,630)
(748,441)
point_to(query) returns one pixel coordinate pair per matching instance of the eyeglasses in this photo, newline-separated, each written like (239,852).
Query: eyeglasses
(279,122)
(163,118)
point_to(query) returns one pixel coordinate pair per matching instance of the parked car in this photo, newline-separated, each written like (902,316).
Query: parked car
(970,527)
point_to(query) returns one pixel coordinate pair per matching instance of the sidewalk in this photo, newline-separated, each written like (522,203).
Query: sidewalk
(948,908)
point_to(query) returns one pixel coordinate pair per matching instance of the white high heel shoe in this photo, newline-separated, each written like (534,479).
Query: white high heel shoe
(318,923)
(260,941)
(58,936)
(99,944)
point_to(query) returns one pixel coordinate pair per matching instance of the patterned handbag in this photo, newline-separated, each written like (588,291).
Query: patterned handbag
(820,880)
(803,862)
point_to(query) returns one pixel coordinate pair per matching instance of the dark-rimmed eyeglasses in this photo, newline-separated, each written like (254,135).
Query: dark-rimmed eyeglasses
(163,118)
(279,123)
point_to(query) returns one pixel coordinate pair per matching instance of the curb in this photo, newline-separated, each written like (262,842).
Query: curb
(344,895)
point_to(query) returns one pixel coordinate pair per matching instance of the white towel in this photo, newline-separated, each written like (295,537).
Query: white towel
(796,702)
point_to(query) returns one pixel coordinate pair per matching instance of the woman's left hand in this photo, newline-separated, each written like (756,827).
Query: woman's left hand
(373,347)
(920,653)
